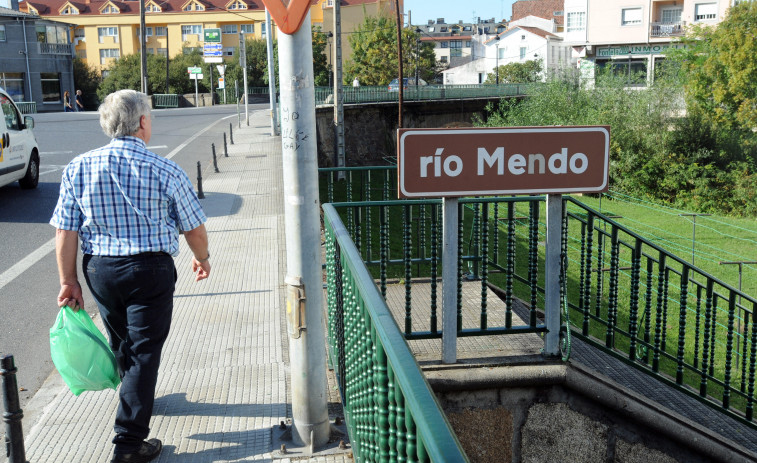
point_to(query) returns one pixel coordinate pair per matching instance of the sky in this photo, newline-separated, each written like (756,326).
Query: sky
(455,10)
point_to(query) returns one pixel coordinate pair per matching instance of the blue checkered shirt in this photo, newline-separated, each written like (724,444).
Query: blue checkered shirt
(123,200)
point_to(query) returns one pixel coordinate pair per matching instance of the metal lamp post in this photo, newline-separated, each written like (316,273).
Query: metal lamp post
(496,67)
(328,56)
(417,53)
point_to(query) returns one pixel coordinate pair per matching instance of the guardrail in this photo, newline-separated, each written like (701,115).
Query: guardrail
(624,294)
(27,107)
(390,409)
(163,100)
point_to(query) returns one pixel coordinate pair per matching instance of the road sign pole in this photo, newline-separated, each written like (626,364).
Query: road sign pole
(307,341)
(243,63)
(197,95)
(449,279)
(552,275)
(271,76)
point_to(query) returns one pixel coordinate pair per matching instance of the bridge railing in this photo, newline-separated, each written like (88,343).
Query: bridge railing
(390,409)
(368,94)
(624,294)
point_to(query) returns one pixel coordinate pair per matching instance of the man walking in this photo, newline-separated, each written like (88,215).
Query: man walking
(128,207)
(79,101)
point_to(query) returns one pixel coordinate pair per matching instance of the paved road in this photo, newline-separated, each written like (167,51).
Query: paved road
(28,275)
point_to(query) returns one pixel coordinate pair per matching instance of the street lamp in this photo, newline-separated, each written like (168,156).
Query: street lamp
(328,57)
(496,67)
(417,53)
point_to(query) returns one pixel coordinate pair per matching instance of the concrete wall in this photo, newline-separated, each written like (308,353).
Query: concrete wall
(370,130)
(567,413)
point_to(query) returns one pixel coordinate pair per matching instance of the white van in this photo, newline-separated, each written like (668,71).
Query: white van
(19,153)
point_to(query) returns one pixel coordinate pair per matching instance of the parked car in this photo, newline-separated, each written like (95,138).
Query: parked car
(409,81)
(19,153)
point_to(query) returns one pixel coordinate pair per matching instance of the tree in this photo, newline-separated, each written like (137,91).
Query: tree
(721,68)
(86,78)
(374,53)
(320,61)
(517,73)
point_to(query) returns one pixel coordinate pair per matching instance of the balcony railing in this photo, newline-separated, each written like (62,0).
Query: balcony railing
(54,48)
(666,29)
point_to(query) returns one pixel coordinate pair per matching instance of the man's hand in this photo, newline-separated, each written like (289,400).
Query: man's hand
(71,295)
(202,269)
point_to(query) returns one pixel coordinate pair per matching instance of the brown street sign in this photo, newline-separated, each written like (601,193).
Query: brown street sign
(502,161)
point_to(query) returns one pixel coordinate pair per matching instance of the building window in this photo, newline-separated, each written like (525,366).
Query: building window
(445,44)
(190,50)
(229,29)
(148,32)
(456,44)
(443,59)
(161,31)
(443,29)
(631,16)
(52,34)
(105,73)
(153,8)
(150,51)
(431,28)
(671,15)
(163,51)
(228,51)
(69,10)
(501,52)
(13,83)
(705,11)
(467,28)
(237,6)
(262,29)
(79,32)
(2,32)
(247,28)
(50,87)
(190,29)
(107,54)
(103,32)
(82,54)
(558,13)
(576,21)
(110,9)
(523,51)
(467,44)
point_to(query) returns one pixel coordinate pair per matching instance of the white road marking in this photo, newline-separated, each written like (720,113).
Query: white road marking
(55,152)
(157,147)
(191,139)
(24,264)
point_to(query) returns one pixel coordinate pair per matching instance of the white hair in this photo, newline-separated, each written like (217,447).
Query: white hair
(121,112)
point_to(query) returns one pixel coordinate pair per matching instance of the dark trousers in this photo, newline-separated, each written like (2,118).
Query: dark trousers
(135,298)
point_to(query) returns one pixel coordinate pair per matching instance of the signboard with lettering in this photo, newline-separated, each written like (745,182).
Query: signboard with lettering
(625,50)
(212,35)
(502,161)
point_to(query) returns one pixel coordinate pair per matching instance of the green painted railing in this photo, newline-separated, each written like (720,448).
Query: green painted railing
(625,295)
(27,107)
(368,94)
(163,100)
(390,410)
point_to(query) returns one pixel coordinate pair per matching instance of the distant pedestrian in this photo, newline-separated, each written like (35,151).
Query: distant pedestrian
(67,102)
(128,207)
(79,101)
(356,82)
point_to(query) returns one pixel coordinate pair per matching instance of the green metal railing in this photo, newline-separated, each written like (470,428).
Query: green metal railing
(27,107)
(390,410)
(163,100)
(625,295)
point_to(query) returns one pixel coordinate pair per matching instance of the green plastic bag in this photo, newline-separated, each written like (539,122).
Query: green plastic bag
(81,354)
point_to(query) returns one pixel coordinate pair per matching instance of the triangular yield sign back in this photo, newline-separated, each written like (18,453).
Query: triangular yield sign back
(288,18)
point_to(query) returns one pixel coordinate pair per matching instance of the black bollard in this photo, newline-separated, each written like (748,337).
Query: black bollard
(225,148)
(215,161)
(14,435)
(231,134)
(200,194)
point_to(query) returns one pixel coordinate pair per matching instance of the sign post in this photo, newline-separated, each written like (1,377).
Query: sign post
(450,163)
(304,283)
(243,63)
(194,74)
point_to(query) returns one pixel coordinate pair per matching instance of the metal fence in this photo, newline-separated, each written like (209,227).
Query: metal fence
(165,100)
(623,294)
(390,410)
(27,107)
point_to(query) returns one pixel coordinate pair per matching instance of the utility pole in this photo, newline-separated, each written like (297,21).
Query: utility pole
(271,76)
(142,47)
(341,160)
(401,81)
(243,63)
(304,275)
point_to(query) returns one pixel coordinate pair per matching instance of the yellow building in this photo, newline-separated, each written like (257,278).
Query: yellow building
(105,30)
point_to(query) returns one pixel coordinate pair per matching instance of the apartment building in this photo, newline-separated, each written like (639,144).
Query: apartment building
(35,58)
(633,35)
(105,30)
(457,44)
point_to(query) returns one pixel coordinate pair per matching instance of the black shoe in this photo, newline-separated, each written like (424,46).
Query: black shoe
(148,451)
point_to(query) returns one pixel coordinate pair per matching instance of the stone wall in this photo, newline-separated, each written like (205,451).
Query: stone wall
(370,130)
(566,413)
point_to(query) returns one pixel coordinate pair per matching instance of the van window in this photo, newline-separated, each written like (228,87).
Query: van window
(9,114)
